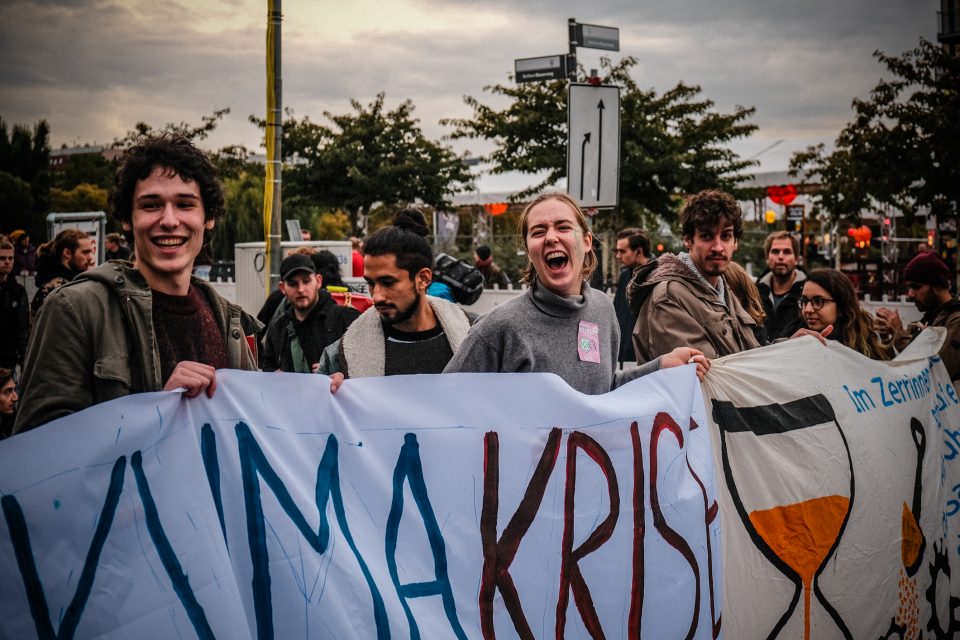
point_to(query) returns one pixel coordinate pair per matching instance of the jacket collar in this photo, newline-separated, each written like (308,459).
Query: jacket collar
(667,267)
(324,302)
(719,290)
(950,306)
(556,305)
(121,277)
(362,348)
(767,280)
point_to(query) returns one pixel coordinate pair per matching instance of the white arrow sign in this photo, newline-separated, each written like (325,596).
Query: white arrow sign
(593,146)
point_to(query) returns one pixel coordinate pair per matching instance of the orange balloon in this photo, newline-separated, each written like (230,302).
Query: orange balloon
(496,208)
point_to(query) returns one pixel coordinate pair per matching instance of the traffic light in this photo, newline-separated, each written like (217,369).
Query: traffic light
(861,237)
(886,231)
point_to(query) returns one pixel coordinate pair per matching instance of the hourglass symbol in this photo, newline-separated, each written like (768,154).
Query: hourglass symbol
(793,500)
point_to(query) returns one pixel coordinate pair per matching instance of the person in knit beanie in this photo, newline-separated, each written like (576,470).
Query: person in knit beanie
(927,268)
(927,279)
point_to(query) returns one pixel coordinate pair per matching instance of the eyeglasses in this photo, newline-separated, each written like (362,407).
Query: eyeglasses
(816,302)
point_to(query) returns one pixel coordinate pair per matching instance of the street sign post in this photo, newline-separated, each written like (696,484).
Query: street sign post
(795,217)
(593,116)
(594,36)
(593,145)
(540,69)
(590,36)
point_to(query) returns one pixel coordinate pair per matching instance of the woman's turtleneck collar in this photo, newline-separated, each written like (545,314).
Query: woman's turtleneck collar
(556,305)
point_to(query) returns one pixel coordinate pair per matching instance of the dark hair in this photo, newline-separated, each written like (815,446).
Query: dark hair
(179,157)
(854,326)
(406,238)
(781,235)
(328,267)
(483,252)
(708,210)
(6,375)
(66,239)
(636,238)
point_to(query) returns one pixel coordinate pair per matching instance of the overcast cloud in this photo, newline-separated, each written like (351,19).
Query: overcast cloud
(93,68)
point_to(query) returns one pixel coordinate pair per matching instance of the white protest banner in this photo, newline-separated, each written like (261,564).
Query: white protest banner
(453,506)
(838,485)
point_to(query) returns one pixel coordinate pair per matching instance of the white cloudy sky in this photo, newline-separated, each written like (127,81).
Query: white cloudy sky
(92,68)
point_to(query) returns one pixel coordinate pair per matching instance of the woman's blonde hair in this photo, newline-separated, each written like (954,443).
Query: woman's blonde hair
(589,258)
(742,286)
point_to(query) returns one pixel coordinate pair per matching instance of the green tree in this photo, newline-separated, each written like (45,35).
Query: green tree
(190,131)
(16,203)
(242,220)
(233,161)
(85,168)
(83,197)
(25,154)
(902,147)
(331,225)
(368,156)
(670,144)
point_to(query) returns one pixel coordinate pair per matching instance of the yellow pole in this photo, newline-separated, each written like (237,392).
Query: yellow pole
(274,136)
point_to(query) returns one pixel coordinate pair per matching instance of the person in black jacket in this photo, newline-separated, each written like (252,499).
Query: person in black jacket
(115,250)
(296,338)
(60,261)
(14,312)
(633,250)
(780,287)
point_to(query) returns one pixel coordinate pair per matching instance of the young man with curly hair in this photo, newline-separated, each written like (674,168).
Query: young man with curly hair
(681,300)
(150,326)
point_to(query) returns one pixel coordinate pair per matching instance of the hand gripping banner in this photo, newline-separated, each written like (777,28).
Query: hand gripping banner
(451,506)
(838,490)
(482,506)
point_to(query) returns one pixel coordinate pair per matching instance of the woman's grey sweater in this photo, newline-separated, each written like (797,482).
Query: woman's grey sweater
(539,331)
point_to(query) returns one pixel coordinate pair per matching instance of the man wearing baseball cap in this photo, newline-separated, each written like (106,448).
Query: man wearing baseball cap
(310,322)
(928,284)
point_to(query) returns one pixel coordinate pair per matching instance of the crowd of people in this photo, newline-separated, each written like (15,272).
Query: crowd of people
(684,298)
(141,321)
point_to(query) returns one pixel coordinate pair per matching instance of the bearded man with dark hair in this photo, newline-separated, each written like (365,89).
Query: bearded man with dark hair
(406,331)
(681,300)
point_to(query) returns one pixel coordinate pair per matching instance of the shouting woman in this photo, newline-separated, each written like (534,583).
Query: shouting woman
(559,324)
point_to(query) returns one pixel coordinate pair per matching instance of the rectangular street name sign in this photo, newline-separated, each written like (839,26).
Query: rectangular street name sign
(539,69)
(593,36)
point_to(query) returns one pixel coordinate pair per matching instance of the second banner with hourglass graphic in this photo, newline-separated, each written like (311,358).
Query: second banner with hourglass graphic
(838,481)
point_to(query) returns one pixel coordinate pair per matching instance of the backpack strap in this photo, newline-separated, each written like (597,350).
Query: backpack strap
(300,364)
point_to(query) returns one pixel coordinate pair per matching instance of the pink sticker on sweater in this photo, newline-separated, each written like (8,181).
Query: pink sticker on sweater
(588,342)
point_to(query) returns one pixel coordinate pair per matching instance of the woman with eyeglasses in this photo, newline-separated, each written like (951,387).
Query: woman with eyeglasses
(829,298)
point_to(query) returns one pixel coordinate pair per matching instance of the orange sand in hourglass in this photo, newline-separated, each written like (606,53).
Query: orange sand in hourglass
(801,535)
(911,545)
